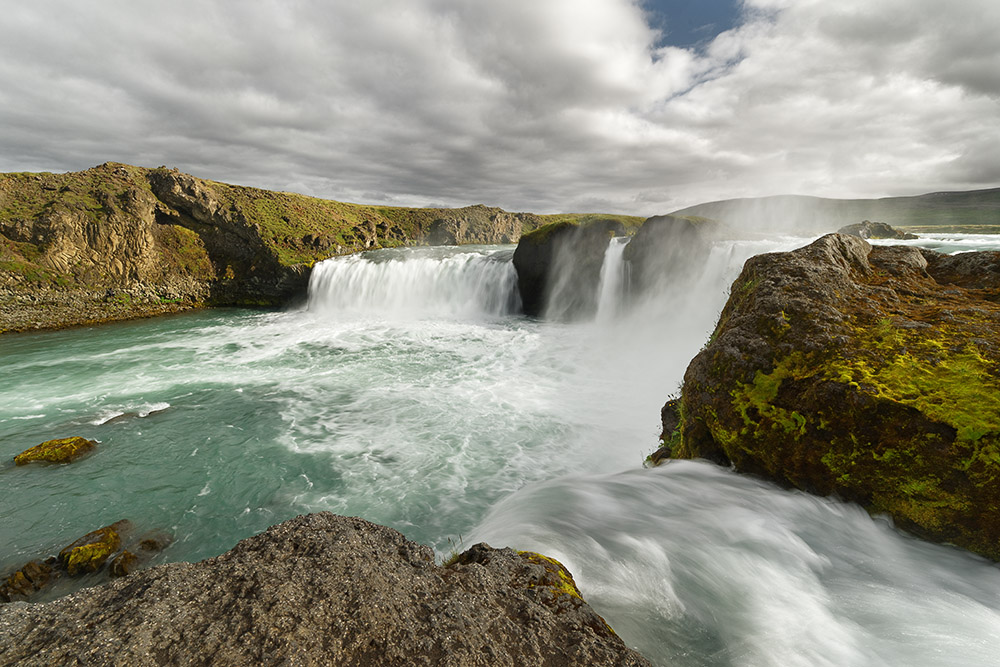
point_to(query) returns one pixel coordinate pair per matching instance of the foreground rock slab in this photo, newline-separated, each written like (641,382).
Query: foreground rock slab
(323,590)
(872,373)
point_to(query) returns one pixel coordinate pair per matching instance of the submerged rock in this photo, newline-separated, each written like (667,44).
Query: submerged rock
(867,229)
(324,589)
(61,450)
(872,373)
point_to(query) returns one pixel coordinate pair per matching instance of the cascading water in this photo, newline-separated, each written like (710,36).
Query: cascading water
(426,282)
(613,280)
(407,393)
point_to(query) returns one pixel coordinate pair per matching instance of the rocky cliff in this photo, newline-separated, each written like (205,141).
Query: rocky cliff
(559,267)
(323,590)
(872,373)
(119,241)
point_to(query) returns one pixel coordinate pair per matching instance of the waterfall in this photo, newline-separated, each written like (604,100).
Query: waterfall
(417,282)
(612,281)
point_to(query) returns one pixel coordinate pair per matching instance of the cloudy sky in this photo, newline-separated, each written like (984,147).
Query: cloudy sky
(540,105)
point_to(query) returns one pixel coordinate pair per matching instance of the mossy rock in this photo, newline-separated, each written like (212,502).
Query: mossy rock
(871,373)
(91,551)
(32,577)
(61,450)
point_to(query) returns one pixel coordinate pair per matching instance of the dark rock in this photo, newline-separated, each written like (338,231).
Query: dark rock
(123,564)
(61,450)
(863,371)
(664,248)
(875,230)
(559,267)
(323,590)
(30,579)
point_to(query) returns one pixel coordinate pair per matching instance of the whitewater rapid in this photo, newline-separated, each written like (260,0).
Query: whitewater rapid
(411,392)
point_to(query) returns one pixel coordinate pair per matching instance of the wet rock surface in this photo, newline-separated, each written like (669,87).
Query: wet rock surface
(323,590)
(872,373)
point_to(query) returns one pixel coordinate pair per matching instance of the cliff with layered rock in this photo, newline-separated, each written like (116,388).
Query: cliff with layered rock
(871,373)
(323,590)
(119,241)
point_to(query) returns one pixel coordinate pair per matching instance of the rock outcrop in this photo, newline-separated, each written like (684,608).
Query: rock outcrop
(118,242)
(559,267)
(872,373)
(867,229)
(664,248)
(323,590)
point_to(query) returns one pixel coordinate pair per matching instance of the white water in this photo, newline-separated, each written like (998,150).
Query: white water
(425,282)
(613,282)
(409,393)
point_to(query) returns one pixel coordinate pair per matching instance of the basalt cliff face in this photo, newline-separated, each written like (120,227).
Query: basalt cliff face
(119,241)
(323,590)
(872,373)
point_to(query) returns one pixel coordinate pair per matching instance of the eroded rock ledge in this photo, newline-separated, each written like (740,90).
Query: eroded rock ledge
(868,372)
(323,590)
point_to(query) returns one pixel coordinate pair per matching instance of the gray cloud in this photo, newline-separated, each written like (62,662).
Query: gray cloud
(544,106)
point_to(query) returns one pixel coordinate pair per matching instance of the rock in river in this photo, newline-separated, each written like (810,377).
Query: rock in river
(61,450)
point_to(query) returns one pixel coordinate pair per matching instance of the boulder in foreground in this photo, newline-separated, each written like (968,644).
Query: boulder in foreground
(323,590)
(868,372)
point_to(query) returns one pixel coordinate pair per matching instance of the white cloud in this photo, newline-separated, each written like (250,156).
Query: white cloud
(556,105)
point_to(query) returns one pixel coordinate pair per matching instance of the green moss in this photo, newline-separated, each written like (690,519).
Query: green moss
(61,450)
(559,578)
(949,381)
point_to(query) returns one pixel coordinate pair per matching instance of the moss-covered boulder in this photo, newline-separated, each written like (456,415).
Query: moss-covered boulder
(868,372)
(61,450)
(91,551)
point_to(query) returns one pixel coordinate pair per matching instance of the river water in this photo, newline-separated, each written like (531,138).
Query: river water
(411,392)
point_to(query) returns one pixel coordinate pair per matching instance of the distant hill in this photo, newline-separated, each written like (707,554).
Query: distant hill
(816,214)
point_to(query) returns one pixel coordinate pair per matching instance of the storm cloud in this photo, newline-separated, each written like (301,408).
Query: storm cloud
(561,105)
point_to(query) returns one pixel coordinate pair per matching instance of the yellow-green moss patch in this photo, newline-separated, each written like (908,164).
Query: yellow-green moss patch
(61,450)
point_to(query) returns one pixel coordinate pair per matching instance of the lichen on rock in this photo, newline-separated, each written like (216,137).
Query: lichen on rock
(90,552)
(872,373)
(60,450)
